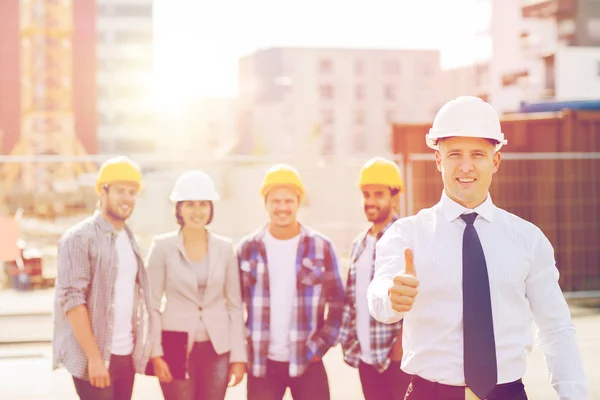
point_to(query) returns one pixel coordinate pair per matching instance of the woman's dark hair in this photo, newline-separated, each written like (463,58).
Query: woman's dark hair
(180,219)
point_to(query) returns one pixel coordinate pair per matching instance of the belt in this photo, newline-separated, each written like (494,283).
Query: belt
(503,390)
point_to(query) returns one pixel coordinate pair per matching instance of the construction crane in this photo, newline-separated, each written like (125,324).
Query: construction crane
(47,117)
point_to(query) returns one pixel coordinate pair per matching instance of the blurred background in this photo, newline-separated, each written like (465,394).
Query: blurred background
(232,87)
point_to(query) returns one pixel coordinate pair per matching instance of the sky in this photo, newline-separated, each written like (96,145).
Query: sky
(198,42)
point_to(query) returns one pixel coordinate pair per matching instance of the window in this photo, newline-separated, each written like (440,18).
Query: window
(359,117)
(325,66)
(126,10)
(360,142)
(129,91)
(327,117)
(326,92)
(390,116)
(359,67)
(359,92)
(133,37)
(328,144)
(391,68)
(134,119)
(389,92)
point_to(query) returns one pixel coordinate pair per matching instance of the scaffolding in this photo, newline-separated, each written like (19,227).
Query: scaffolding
(47,117)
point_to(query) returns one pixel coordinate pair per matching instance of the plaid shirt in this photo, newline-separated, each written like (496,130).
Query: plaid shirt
(382,336)
(87,271)
(319,285)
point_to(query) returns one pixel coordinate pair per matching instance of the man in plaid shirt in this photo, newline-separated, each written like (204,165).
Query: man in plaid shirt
(372,347)
(102,323)
(290,278)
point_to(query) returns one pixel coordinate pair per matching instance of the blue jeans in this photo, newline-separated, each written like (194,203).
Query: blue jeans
(208,376)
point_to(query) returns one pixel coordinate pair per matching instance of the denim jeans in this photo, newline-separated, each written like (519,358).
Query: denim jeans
(122,375)
(312,385)
(208,376)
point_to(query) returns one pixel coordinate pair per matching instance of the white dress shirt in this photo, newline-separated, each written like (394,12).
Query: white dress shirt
(523,284)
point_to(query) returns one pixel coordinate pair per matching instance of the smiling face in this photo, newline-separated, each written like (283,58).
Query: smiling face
(118,200)
(467,165)
(194,214)
(282,204)
(378,203)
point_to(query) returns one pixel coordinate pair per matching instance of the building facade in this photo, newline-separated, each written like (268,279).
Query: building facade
(124,76)
(544,50)
(306,101)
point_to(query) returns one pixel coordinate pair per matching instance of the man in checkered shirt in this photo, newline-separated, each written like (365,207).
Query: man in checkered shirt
(293,295)
(101,328)
(372,347)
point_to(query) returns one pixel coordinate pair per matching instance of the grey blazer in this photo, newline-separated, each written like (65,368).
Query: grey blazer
(171,275)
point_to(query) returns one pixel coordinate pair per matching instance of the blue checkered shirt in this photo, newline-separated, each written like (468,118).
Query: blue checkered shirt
(319,288)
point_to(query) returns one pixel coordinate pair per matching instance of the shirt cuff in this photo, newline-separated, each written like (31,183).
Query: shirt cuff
(380,305)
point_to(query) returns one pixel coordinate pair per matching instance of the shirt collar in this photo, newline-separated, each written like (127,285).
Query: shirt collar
(106,226)
(363,235)
(452,210)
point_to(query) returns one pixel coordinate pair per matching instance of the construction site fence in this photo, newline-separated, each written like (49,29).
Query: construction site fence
(558,191)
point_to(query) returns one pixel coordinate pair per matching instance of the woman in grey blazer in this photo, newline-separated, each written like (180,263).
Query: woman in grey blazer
(197,273)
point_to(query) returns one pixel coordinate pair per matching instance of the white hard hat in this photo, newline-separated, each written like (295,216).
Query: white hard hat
(194,185)
(466,116)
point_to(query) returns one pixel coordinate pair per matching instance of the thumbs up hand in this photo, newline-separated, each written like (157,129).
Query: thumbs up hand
(403,290)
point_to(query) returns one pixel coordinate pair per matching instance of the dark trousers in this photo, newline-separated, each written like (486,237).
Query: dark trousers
(312,385)
(122,375)
(208,373)
(390,384)
(421,389)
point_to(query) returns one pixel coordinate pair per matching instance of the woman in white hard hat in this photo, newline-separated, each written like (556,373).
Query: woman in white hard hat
(198,339)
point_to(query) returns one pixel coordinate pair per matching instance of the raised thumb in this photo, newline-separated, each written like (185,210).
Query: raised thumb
(409,262)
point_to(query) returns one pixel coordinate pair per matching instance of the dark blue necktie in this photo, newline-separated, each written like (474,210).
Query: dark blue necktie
(478,327)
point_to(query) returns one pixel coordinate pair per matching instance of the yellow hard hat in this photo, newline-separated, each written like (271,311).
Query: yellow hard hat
(381,171)
(282,174)
(118,169)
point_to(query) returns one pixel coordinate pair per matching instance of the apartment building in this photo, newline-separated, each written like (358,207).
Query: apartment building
(124,75)
(544,50)
(332,101)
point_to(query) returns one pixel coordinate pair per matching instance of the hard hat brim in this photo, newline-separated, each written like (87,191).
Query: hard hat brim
(176,198)
(432,140)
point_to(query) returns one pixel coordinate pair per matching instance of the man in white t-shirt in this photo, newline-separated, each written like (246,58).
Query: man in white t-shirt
(290,277)
(372,347)
(101,310)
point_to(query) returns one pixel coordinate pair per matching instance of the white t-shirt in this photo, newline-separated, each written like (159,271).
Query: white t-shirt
(364,265)
(281,259)
(122,340)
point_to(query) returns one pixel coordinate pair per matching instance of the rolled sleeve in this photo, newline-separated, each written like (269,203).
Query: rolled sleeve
(233,295)
(156,279)
(74,273)
(389,261)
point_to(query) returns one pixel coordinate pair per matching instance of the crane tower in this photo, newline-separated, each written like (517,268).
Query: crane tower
(47,117)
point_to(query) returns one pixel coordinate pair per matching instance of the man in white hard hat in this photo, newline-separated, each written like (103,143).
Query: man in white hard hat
(467,277)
